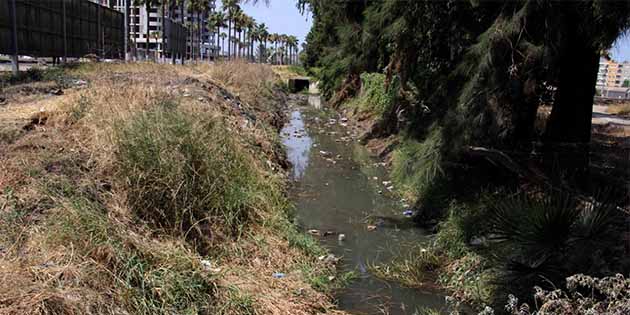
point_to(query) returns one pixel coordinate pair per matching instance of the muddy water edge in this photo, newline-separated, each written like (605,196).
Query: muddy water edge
(338,188)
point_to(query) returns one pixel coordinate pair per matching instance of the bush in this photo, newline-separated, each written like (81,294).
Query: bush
(416,166)
(538,241)
(374,98)
(186,174)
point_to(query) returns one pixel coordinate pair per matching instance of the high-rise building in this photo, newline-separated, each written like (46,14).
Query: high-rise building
(612,74)
(140,21)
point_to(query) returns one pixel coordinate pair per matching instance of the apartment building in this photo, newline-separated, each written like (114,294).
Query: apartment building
(612,74)
(140,19)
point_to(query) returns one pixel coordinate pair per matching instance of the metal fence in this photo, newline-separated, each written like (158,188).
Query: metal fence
(61,28)
(176,35)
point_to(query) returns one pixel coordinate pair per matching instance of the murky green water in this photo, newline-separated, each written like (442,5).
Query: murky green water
(339,188)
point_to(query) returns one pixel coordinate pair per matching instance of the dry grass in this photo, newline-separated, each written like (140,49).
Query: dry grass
(72,237)
(619,109)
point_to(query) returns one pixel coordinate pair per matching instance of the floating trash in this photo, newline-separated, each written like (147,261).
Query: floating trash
(371,227)
(314,232)
(342,237)
(408,213)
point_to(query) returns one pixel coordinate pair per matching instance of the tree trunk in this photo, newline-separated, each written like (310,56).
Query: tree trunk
(218,49)
(200,35)
(571,115)
(229,39)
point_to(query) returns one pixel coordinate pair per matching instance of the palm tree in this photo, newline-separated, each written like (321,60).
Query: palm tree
(263,32)
(230,7)
(217,20)
(274,39)
(283,41)
(202,7)
(292,41)
(239,21)
(250,26)
(223,36)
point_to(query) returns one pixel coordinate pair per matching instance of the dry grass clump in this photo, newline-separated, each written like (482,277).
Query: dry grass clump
(619,109)
(119,196)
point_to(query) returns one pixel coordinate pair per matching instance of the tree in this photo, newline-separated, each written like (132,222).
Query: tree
(223,37)
(275,39)
(262,35)
(217,20)
(230,7)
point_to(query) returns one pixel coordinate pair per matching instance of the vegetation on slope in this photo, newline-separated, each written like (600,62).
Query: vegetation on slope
(151,189)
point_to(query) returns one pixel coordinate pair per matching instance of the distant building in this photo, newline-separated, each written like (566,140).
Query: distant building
(140,20)
(612,74)
(621,93)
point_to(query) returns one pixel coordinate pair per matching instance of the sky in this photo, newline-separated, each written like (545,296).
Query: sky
(281,16)
(621,49)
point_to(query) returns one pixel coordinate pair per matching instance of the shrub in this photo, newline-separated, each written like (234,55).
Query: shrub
(185,174)
(416,166)
(540,240)
(374,97)
(609,295)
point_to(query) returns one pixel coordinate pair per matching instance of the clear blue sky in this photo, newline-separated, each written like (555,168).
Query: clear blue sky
(281,16)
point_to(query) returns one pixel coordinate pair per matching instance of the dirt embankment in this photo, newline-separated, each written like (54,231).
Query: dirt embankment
(148,189)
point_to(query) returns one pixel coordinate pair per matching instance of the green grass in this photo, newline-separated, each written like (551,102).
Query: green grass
(237,302)
(299,70)
(374,98)
(58,74)
(183,172)
(417,166)
(148,279)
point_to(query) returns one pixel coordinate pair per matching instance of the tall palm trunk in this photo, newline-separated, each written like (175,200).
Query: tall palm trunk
(229,39)
(218,49)
(200,37)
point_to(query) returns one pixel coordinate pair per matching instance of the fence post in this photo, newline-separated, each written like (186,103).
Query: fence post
(14,38)
(65,32)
